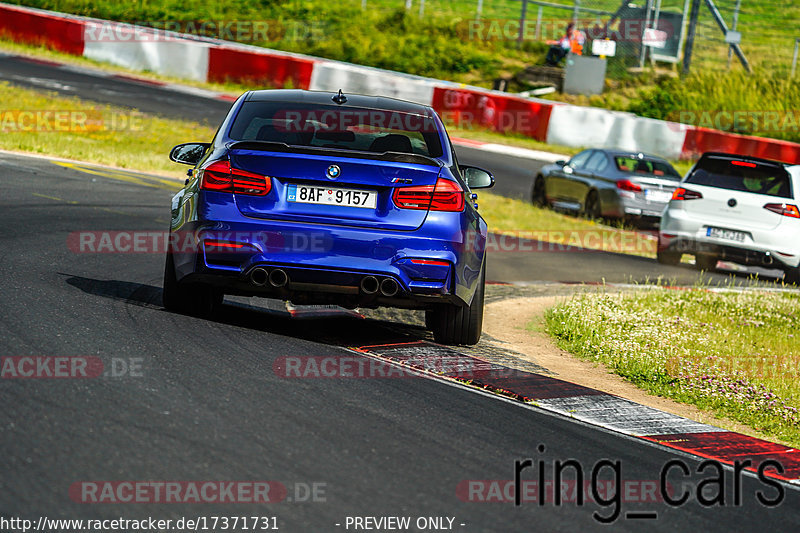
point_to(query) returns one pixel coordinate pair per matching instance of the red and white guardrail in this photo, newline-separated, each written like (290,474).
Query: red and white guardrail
(203,59)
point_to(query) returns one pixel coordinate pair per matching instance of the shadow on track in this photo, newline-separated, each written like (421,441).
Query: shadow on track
(338,329)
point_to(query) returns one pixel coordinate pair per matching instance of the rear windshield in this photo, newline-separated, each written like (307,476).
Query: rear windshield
(343,128)
(746,176)
(634,165)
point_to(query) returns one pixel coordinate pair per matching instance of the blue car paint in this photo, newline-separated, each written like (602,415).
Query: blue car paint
(333,245)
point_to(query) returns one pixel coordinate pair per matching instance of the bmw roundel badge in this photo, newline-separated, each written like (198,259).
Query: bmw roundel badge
(334,171)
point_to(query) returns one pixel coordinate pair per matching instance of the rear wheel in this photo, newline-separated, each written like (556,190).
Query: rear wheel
(538,197)
(792,275)
(455,324)
(174,296)
(197,300)
(668,258)
(591,208)
(705,262)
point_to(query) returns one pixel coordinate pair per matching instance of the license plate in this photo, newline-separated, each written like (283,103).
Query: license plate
(308,194)
(657,196)
(727,234)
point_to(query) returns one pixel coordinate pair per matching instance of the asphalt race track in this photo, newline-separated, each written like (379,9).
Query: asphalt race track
(205,403)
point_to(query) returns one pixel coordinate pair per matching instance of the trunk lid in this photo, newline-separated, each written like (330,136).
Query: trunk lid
(378,173)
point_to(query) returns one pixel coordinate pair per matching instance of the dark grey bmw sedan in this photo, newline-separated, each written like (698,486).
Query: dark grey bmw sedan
(607,183)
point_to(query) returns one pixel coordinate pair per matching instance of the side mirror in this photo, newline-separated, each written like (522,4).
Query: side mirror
(189,153)
(561,163)
(477,178)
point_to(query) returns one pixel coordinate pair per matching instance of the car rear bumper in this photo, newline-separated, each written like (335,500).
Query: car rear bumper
(640,207)
(681,232)
(328,264)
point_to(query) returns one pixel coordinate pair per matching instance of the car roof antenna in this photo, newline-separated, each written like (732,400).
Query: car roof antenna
(339,98)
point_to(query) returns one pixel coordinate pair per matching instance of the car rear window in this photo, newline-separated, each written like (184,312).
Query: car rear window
(635,165)
(742,175)
(337,127)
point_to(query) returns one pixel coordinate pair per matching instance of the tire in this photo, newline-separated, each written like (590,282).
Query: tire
(792,276)
(705,262)
(668,258)
(196,300)
(455,324)
(591,207)
(174,297)
(538,197)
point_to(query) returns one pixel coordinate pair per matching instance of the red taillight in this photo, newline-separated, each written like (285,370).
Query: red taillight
(430,262)
(446,195)
(219,176)
(250,183)
(684,194)
(787,210)
(743,164)
(628,185)
(223,244)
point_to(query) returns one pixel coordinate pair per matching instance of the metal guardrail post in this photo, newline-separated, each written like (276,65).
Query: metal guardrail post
(733,27)
(522,16)
(539,23)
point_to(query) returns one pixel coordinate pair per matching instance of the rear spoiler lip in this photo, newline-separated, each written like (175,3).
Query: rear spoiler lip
(393,157)
(749,158)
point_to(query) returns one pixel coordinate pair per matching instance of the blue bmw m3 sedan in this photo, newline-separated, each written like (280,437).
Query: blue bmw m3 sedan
(324,198)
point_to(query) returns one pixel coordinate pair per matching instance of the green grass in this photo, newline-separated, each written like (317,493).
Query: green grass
(109,135)
(522,219)
(735,354)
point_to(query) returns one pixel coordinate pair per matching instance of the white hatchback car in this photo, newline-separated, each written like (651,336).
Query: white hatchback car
(740,209)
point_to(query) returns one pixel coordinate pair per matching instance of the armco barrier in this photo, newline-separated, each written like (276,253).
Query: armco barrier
(331,76)
(268,68)
(600,128)
(470,108)
(134,47)
(699,140)
(34,26)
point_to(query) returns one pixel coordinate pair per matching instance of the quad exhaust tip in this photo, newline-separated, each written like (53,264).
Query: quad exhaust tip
(259,277)
(278,278)
(389,287)
(369,285)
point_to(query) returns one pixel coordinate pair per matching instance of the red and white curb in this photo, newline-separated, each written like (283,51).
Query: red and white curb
(591,406)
